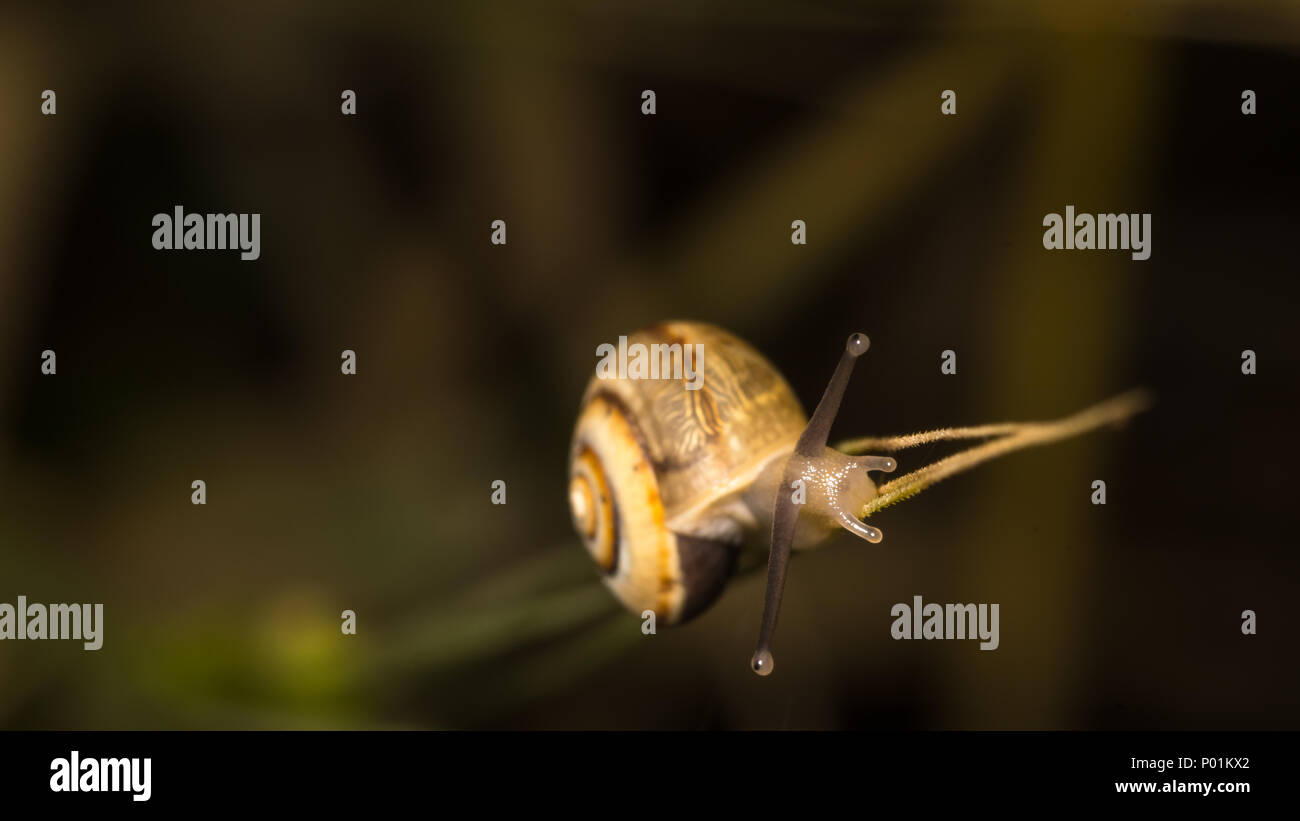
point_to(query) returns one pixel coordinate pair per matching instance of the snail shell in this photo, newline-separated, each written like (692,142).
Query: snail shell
(659,474)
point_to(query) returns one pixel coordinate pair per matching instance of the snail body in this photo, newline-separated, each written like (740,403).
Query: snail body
(668,484)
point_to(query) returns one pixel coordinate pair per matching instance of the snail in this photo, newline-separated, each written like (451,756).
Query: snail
(671,482)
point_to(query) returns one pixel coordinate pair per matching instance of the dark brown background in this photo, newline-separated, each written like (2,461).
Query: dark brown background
(371,492)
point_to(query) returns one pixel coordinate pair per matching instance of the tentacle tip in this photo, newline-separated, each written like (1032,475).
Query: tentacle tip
(857,344)
(885,464)
(761,663)
(859,528)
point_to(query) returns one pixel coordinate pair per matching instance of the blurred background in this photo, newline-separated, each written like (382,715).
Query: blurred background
(372,492)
